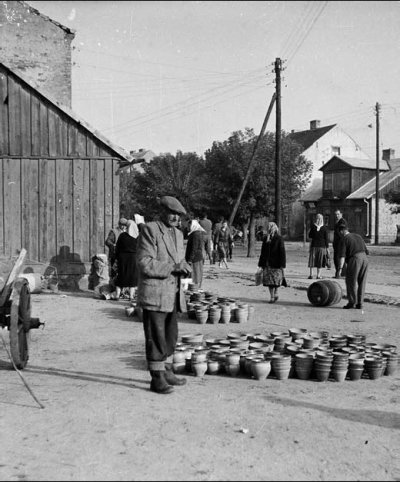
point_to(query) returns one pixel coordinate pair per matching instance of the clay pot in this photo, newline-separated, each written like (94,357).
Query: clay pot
(233,358)
(250,314)
(213,367)
(339,375)
(199,356)
(303,365)
(214,315)
(199,368)
(201,316)
(179,356)
(240,315)
(260,368)
(355,374)
(232,369)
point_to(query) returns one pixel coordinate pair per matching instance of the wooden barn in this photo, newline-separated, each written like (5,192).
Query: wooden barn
(59,178)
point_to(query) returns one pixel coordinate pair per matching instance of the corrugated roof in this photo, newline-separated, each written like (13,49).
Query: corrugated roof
(314,192)
(33,10)
(122,153)
(307,138)
(368,189)
(358,163)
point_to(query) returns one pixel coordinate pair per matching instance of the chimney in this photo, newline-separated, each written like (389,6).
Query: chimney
(387,154)
(314,124)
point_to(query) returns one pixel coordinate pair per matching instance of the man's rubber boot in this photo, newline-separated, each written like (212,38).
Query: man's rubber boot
(158,382)
(171,378)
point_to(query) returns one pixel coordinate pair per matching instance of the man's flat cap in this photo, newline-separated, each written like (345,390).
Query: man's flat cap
(123,221)
(172,204)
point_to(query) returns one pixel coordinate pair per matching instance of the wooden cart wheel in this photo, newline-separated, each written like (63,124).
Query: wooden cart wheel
(20,315)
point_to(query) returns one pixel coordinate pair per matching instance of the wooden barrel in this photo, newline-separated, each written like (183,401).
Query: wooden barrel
(324,293)
(335,292)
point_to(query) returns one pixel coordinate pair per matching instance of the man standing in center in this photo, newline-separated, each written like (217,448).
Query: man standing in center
(161,264)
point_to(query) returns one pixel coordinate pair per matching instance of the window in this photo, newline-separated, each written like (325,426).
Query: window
(336,150)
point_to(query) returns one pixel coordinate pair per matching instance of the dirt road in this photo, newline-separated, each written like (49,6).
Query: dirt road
(101,422)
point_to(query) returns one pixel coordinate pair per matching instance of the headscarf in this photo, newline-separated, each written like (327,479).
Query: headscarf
(319,222)
(138,219)
(195,226)
(132,229)
(272,230)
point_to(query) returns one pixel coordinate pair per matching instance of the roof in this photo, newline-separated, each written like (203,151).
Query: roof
(309,137)
(314,191)
(358,163)
(66,110)
(368,189)
(33,10)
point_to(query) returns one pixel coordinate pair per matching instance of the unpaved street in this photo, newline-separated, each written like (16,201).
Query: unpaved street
(101,422)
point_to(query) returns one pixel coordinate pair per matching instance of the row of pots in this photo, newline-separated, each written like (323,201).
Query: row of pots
(206,307)
(332,357)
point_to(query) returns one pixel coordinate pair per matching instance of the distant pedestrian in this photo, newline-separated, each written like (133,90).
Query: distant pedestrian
(340,221)
(319,245)
(111,242)
(273,260)
(353,250)
(222,239)
(125,251)
(206,224)
(195,252)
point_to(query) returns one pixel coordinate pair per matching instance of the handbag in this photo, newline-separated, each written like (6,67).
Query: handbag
(258,276)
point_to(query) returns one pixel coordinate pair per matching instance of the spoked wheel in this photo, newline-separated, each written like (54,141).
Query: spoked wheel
(20,316)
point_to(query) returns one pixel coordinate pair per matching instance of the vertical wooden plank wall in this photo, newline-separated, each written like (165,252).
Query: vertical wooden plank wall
(64,204)
(30,207)
(47,210)
(115,179)
(14,118)
(81,208)
(4,149)
(12,206)
(59,183)
(108,197)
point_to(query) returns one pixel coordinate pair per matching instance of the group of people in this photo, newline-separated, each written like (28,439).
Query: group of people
(350,253)
(161,262)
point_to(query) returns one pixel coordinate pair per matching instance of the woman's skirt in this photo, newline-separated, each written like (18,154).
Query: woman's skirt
(317,258)
(272,276)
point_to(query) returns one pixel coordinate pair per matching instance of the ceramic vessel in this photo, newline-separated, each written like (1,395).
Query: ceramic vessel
(260,368)
(199,368)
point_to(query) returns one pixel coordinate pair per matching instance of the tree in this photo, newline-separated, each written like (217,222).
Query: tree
(393,197)
(227,163)
(179,175)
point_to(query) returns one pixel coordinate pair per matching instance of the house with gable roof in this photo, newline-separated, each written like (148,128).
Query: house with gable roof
(319,145)
(349,184)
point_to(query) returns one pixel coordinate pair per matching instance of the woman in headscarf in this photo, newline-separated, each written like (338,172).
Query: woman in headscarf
(273,260)
(126,260)
(195,253)
(319,244)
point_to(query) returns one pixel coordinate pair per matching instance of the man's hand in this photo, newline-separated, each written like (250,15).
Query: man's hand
(182,268)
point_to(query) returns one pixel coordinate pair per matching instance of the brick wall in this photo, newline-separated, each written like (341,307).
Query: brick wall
(37,47)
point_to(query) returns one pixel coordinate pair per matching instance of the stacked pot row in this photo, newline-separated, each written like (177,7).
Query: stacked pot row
(220,310)
(282,354)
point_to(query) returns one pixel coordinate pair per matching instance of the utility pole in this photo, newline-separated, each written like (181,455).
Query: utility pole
(377,110)
(247,177)
(278,215)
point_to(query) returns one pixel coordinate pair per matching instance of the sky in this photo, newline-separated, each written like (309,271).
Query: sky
(179,75)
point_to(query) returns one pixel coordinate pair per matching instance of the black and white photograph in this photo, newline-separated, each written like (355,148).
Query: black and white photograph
(199,240)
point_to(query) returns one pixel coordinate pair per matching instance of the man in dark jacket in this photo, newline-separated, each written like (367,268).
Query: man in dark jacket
(161,264)
(353,251)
